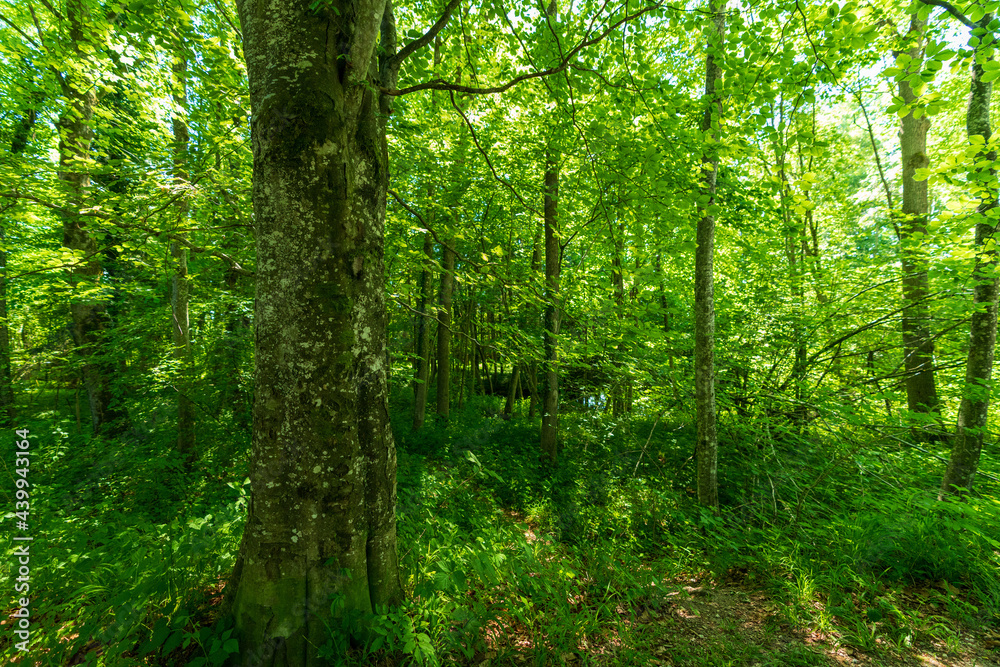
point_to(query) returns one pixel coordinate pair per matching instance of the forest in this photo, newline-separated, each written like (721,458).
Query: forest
(471,332)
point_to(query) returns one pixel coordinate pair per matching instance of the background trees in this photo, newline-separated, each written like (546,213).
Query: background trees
(524,218)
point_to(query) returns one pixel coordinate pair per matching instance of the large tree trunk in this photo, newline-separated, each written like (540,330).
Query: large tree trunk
(974,410)
(918,345)
(423,339)
(704,287)
(553,265)
(322,516)
(444,329)
(89,312)
(181,285)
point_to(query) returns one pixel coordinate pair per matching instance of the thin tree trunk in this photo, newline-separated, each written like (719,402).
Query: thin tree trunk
(463,360)
(423,338)
(7,412)
(421,385)
(918,344)
(666,331)
(974,410)
(553,265)
(444,329)
(181,286)
(76,406)
(704,290)
(515,379)
(486,369)
(90,319)
(618,285)
(475,387)
(532,375)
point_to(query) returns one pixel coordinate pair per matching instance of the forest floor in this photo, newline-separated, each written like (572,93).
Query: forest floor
(737,622)
(605,561)
(733,624)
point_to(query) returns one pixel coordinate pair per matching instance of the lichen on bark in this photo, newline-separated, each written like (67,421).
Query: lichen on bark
(323,468)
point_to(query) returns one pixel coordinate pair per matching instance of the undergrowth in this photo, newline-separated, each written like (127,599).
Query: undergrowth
(505,559)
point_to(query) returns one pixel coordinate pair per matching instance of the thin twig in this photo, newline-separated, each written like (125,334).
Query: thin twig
(657,421)
(441,84)
(489,163)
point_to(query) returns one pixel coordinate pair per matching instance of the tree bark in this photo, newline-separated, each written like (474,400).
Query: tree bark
(918,344)
(707,447)
(321,520)
(553,265)
(974,410)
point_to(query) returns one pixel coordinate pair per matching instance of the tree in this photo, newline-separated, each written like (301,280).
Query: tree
(973,413)
(553,318)
(553,269)
(322,516)
(704,289)
(918,345)
(180,283)
(89,310)
(18,143)
(423,337)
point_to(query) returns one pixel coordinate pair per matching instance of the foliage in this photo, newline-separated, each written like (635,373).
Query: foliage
(827,481)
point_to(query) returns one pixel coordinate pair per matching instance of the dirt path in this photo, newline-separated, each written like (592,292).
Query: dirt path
(729,625)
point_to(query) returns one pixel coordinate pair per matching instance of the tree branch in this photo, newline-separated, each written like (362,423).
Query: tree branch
(441,84)
(951,10)
(489,163)
(399,200)
(425,39)
(152,232)
(19,31)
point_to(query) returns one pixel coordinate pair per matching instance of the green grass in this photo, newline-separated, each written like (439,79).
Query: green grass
(506,560)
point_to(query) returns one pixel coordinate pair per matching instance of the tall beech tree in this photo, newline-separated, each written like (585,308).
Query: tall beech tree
(553,269)
(423,335)
(180,292)
(973,413)
(707,446)
(553,315)
(322,515)
(76,133)
(918,345)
